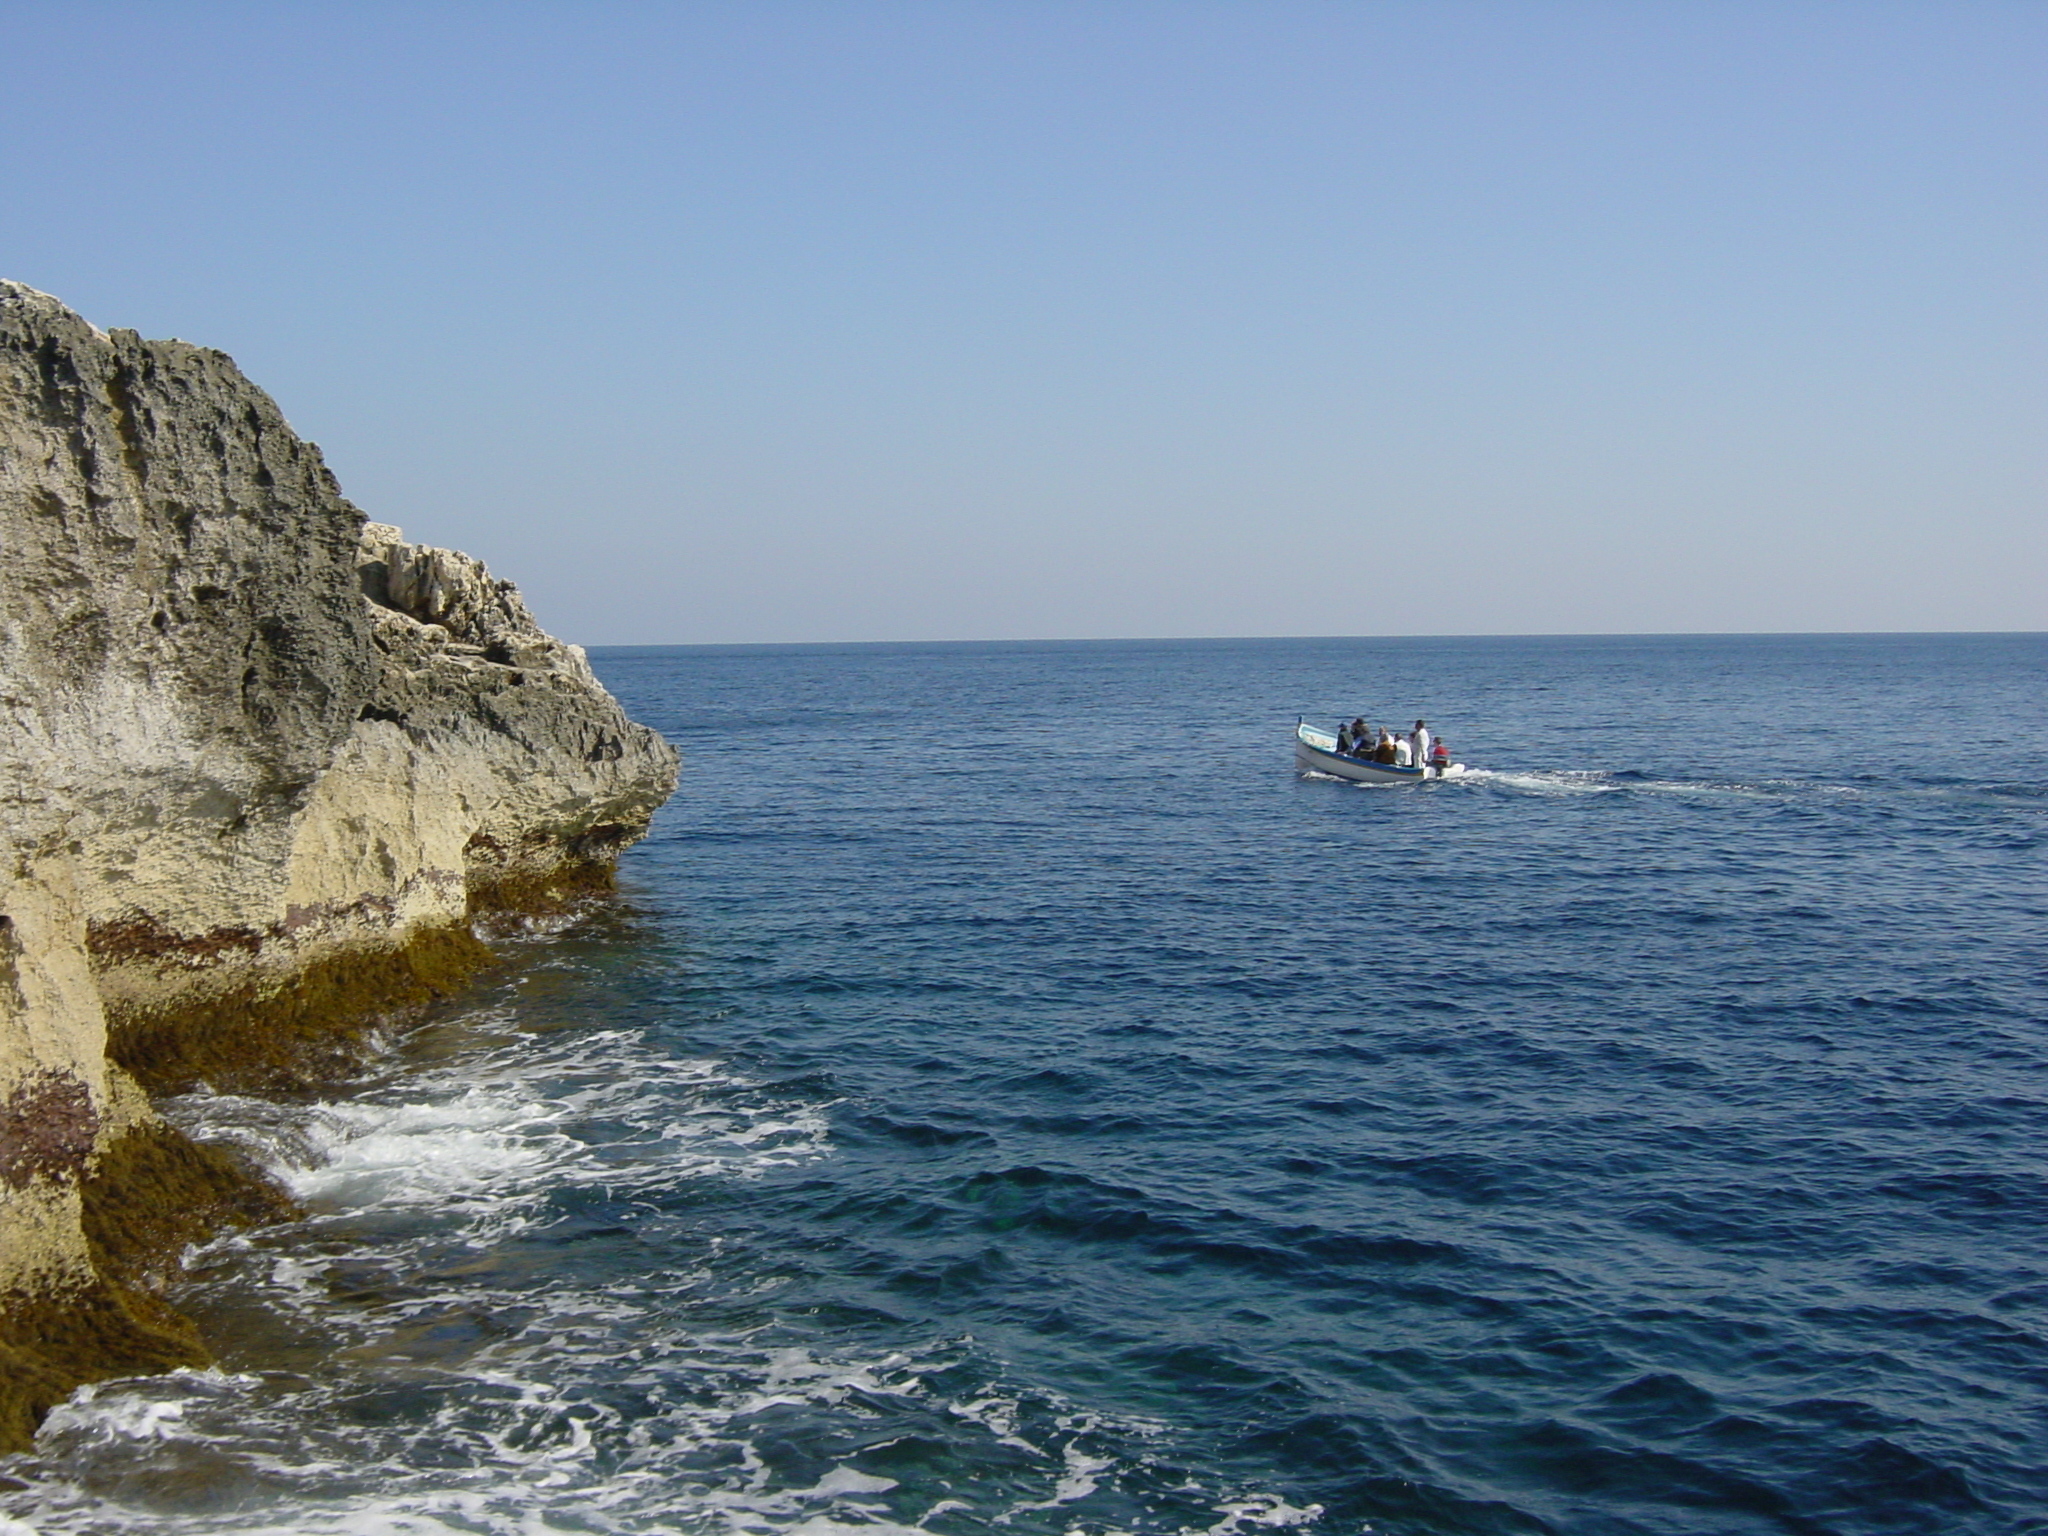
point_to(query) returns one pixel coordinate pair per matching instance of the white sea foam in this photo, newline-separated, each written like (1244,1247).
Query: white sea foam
(1586,781)
(1545,782)
(1267,1512)
(1076,1480)
(461,1139)
(518,1429)
(509,1452)
(478,1145)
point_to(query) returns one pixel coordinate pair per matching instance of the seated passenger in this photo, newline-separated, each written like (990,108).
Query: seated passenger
(1404,754)
(1344,739)
(1384,752)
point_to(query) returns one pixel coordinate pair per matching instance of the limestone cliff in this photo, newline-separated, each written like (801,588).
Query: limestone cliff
(266,768)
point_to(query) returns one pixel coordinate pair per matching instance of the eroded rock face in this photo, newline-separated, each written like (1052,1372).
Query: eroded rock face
(265,765)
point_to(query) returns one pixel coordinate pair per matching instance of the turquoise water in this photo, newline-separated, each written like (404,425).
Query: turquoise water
(1007,1097)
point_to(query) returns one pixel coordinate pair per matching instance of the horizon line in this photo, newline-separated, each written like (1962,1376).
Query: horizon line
(1704,634)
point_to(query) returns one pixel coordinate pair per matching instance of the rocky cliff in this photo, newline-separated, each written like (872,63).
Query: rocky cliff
(267,771)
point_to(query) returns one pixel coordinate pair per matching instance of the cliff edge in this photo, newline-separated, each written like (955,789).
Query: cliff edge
(267,768)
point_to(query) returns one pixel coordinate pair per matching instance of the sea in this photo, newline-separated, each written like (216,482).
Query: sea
(1007,1096)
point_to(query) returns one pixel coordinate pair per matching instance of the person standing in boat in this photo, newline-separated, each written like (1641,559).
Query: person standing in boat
(1421,740)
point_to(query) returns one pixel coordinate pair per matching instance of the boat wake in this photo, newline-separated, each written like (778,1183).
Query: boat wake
(1563,782)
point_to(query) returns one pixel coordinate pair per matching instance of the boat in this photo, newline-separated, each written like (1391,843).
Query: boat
(1316,752)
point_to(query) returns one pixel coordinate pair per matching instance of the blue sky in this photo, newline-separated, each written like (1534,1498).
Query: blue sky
(803,321)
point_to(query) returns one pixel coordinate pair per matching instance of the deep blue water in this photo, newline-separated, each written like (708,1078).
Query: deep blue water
(1007,1097)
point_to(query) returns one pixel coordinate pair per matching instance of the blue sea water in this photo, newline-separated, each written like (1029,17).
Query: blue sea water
(1008,1097)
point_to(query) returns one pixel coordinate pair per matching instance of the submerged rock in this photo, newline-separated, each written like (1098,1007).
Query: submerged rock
(267,769)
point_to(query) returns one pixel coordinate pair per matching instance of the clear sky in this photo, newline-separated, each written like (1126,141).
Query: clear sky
(775,321)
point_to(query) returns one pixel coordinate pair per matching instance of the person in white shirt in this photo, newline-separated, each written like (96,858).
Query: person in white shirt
(1403,753)
(1421,740)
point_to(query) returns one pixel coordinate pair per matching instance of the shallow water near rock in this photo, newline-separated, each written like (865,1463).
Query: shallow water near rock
(1007,1097)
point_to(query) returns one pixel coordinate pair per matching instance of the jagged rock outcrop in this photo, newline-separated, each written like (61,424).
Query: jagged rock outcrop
(265,767)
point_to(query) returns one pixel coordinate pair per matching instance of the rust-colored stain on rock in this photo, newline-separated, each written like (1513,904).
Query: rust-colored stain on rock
(47,1126)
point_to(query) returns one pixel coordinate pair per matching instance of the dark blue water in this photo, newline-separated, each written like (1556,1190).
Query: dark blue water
(1008,1098)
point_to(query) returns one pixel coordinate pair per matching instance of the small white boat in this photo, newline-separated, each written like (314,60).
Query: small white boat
(1316,752)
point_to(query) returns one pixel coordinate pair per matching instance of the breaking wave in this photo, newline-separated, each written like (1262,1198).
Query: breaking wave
(449,1365)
